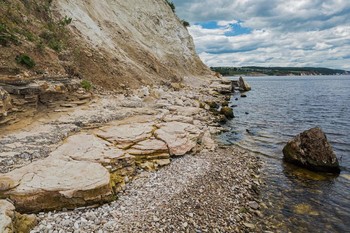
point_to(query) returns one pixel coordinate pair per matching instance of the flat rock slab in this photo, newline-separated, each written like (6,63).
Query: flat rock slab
(125,136)
(148,147)
(52,184)
(87,147)
(180,137)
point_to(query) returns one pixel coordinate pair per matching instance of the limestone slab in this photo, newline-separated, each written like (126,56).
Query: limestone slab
(180,137)
(126,135)
(52,184)
(87,147)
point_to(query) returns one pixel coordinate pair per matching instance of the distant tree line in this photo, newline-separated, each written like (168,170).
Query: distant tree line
(276,71)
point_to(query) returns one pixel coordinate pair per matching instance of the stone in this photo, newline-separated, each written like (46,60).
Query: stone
(180,137)
(7,213)
(208,142)
(53,184)
(221,88)
(311,150)
(11,221)
(243,85)
(5,102)
(227,112)
(87,147)
(126,135)
(148,147)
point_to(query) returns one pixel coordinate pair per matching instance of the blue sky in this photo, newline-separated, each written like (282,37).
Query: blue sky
(270,32)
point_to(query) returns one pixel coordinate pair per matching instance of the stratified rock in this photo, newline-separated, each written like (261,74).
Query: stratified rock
(180,137)
(52,184)
(126,135)
(5,102)
(243,85)
(227,112)
(311,150)
(221,88)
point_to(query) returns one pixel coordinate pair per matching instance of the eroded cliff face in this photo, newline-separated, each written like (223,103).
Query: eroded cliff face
(130,42)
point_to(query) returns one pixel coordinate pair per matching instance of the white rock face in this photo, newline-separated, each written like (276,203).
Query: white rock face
(7,212)
(144,37)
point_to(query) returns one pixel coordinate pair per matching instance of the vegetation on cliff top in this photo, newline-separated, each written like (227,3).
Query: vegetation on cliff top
(277,71)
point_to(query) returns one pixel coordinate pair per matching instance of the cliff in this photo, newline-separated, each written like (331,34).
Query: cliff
(111,43)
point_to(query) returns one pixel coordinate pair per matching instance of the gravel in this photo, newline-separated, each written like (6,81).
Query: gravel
(209,192)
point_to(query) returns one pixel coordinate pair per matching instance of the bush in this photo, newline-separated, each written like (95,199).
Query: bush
(25,60)
(185,23)
(171,4)
(86,85)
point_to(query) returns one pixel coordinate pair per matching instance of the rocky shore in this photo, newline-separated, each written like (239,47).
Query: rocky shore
(81,157)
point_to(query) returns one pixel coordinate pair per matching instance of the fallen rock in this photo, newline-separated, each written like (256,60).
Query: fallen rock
(180,137)
(227,112)
(243,85)
(311,150)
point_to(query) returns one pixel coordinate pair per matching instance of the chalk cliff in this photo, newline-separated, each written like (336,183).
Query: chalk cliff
(140,41)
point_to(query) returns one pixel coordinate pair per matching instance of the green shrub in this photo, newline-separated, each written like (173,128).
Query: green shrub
(171,4)
(185,23)
(25,60)
(65,21)
(86,85)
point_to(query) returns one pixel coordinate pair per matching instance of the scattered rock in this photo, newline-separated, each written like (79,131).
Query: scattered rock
(227,112)
(311,150)
(244,86)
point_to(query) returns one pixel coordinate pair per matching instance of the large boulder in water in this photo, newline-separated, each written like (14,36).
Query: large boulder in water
(243,85)
(311,150)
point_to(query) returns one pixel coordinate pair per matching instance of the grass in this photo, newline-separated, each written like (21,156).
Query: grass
(86,85)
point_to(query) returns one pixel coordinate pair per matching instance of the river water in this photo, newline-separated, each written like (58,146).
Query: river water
(277,109)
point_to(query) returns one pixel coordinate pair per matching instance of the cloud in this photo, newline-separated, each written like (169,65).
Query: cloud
(270,32)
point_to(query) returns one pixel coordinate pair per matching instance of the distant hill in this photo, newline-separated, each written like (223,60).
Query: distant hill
(277,71)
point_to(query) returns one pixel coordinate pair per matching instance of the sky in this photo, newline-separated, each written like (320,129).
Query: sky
(269,32)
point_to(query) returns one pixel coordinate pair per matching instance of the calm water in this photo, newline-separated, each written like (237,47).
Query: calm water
(277,109)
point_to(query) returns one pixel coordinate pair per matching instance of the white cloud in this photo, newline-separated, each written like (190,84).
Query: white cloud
(284,32)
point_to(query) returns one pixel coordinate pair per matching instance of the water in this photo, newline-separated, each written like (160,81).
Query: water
(277,109)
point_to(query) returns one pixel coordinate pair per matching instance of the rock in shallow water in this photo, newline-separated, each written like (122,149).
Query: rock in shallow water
(311,150)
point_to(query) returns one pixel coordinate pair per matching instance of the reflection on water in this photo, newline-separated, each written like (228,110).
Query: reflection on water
(277,109)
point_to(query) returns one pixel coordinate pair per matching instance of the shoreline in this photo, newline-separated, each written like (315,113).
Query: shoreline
(172,107)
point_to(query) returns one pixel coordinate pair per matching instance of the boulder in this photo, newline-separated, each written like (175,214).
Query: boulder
(227,112)
(243,85)
(311,150)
